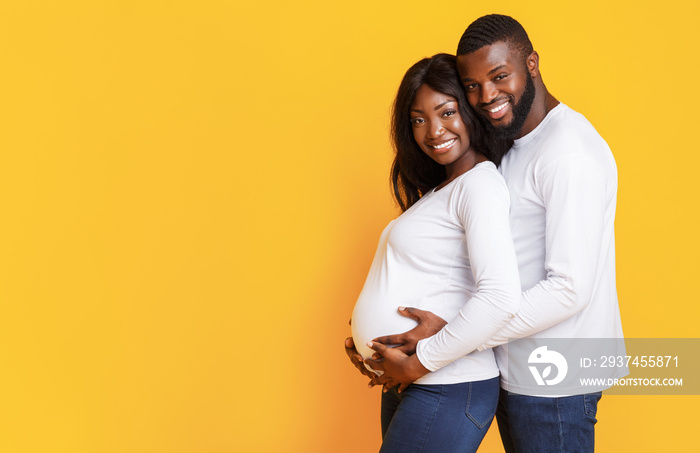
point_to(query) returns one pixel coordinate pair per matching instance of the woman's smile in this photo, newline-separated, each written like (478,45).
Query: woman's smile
(443,146)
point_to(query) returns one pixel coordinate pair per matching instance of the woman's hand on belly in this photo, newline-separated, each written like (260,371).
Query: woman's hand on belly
(356,358)
(398,368)
(428,325)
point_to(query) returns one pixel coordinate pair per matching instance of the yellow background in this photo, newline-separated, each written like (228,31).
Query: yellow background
(191,194)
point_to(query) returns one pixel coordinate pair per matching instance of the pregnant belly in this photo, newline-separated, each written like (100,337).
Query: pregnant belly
(372,319)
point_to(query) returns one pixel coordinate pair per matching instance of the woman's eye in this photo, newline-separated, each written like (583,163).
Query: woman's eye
(416,121)
(449,112)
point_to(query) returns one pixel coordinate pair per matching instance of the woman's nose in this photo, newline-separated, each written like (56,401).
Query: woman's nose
(436,129)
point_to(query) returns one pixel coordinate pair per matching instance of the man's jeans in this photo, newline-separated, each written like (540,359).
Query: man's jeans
(531,424)
(438,418)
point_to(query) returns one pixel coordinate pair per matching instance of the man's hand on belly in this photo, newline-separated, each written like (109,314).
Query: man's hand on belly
(428,325)
(398,368)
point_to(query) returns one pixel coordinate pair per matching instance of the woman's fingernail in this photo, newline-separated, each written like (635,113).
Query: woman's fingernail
(369,344)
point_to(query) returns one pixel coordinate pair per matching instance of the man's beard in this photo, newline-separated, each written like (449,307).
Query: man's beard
(520,112)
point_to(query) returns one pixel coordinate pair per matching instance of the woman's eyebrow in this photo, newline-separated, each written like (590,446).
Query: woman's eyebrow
(436,107)
(443,104)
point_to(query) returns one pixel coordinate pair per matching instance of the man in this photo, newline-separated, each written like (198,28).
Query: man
(562,180)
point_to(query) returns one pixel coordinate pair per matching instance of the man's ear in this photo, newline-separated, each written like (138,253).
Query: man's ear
(533,64)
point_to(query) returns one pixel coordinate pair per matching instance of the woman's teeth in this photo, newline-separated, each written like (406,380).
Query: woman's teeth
(445,145)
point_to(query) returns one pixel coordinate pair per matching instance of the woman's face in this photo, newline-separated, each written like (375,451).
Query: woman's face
(437,126)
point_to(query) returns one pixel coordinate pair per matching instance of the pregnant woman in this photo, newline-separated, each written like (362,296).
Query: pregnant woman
(449,252)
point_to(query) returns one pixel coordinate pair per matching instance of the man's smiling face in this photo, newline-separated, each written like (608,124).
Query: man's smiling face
(499,87)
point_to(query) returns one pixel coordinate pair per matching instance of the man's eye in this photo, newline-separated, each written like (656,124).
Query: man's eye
(501,76)
(470,87)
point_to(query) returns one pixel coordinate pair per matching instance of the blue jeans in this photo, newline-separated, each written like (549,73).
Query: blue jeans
(438,418)
(531,424)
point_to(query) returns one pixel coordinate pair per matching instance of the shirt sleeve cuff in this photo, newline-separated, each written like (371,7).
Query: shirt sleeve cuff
(420,352)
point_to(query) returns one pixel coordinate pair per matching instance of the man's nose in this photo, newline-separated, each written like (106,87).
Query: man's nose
(488,93)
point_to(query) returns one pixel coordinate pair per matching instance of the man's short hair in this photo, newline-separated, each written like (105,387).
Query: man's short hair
(493,28)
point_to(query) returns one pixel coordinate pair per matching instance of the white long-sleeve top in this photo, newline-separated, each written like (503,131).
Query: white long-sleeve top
(562,180)
(450,253)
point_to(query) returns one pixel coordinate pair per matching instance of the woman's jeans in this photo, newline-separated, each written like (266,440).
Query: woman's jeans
(438,418)
(531,424)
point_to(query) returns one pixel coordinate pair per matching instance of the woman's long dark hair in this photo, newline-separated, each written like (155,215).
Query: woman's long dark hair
(413,173)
